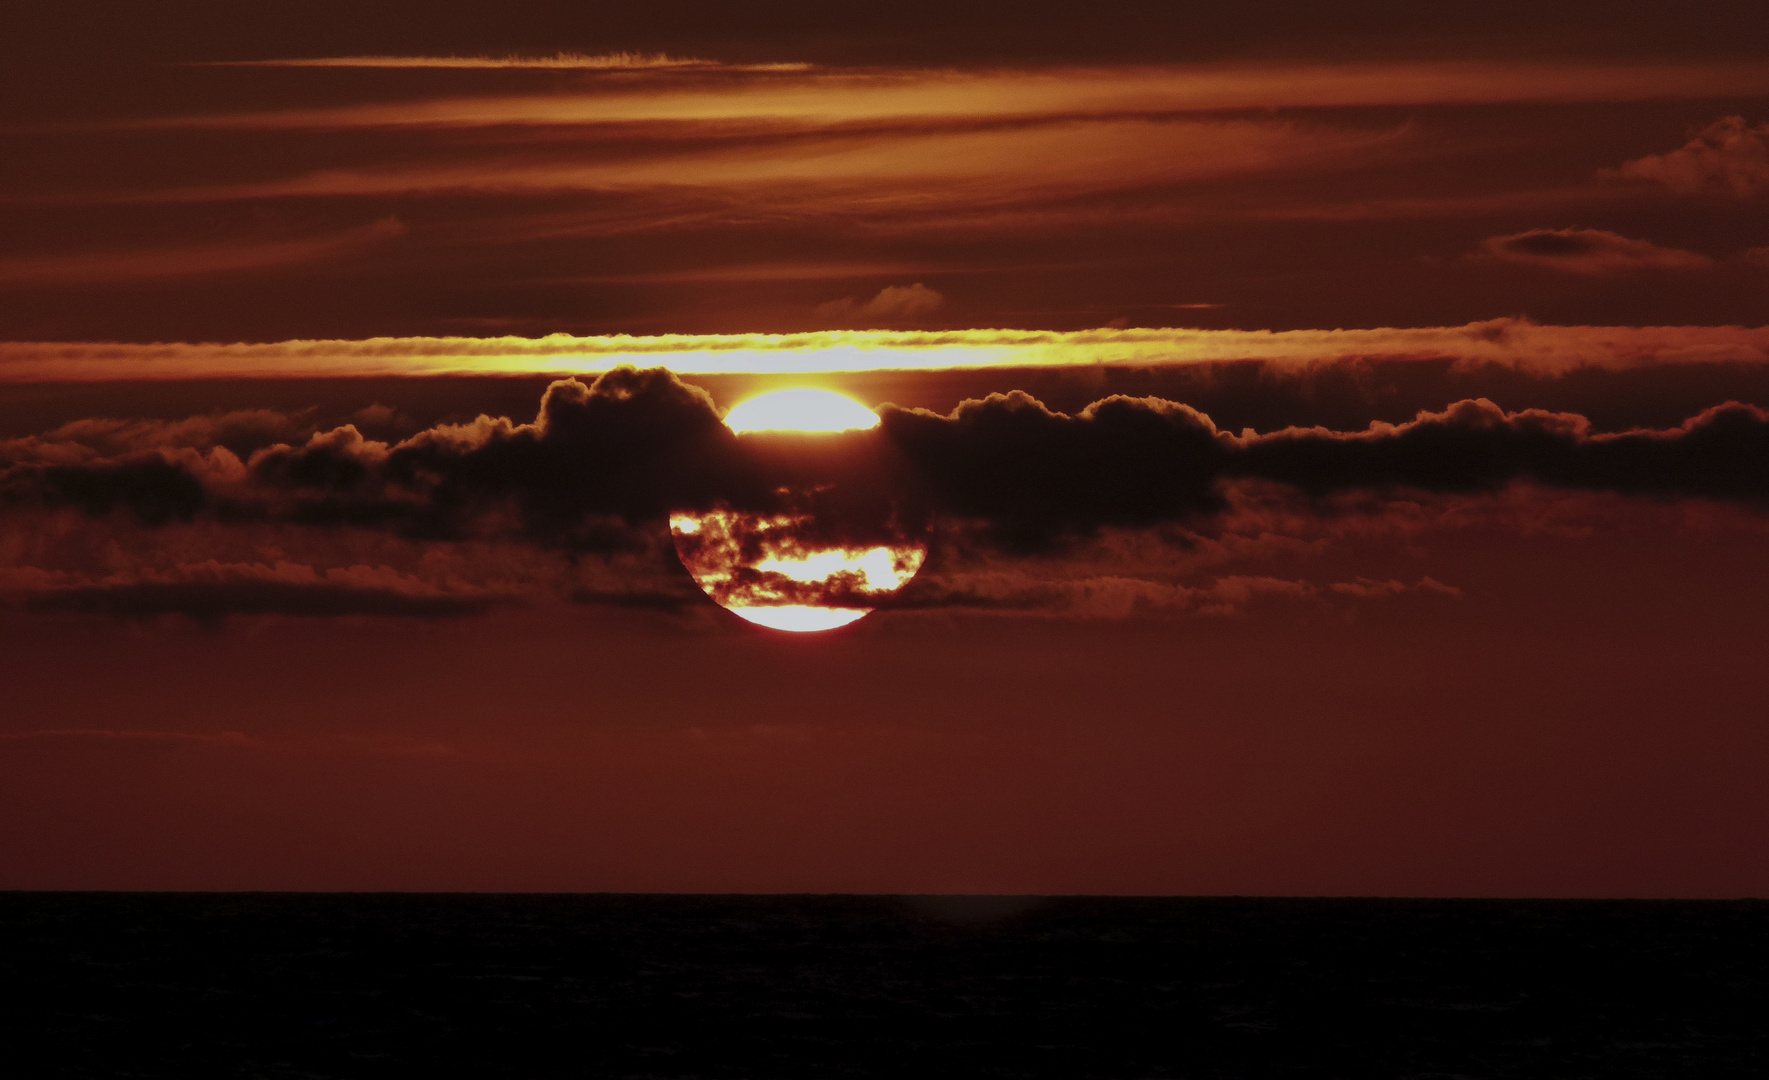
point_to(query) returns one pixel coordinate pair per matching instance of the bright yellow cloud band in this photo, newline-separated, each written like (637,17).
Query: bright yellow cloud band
(1511,342)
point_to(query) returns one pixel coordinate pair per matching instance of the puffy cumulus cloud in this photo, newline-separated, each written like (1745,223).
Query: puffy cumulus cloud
(1728,157)
(1594,252)
(156,487)
(894,303)
(630,447)
(1031,473)
(597,461)
(1723,453)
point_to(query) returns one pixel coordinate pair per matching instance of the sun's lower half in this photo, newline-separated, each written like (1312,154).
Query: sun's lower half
(764,569)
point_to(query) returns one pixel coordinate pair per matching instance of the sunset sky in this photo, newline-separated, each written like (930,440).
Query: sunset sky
(1339,434)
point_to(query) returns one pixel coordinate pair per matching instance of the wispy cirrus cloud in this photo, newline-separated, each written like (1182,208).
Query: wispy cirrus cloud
(1728,157)
(830,97)
(192,260)
(906,170)
(213,590)
(1017,591)
(560,61)
(611,198)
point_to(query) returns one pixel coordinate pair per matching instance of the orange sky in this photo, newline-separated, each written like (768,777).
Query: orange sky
(1371,500)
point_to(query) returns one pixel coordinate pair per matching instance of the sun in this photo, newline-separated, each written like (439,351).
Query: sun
(812,411)
(762,567)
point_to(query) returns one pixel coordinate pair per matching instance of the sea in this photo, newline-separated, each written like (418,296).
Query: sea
(244,985)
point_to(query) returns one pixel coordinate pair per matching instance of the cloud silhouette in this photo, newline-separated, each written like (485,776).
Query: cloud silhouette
(1593,252)
(603,465)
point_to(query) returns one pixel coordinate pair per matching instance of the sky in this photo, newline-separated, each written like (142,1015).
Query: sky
(1339,434)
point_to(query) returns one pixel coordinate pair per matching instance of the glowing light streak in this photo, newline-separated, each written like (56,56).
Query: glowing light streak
(1515,343)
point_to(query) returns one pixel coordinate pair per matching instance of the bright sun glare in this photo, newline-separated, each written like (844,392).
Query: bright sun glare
(801,410)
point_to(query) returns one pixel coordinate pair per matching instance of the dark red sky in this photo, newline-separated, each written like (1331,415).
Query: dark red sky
(1286,649)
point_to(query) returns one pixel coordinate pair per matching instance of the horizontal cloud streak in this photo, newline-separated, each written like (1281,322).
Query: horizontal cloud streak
(1514,343)
(191,260)
(213,590)
(932,168)
(1015,592)
(829,97)
(562,61)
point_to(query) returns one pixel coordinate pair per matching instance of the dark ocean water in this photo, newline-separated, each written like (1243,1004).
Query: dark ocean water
(268,985)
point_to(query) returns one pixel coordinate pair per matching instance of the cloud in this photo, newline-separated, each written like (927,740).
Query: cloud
(240,431)
(1728,157)
(1475,445)
(894,303)
(890,150)
(998,590)
(561,61)
(734,169)
(1592,252)
(1757,256)
(154,487)
(1131,506)
(1032,475)
(770,271)
(1514,343)
(211,591)
(597,461)
(594,463)
(190,260)
(831,96)
(603,465)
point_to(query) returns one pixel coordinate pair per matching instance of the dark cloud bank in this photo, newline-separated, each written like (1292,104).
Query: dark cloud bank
(601,467)
(626,450)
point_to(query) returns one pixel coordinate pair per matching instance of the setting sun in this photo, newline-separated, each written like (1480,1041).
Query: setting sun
(762,568)
(816,411)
